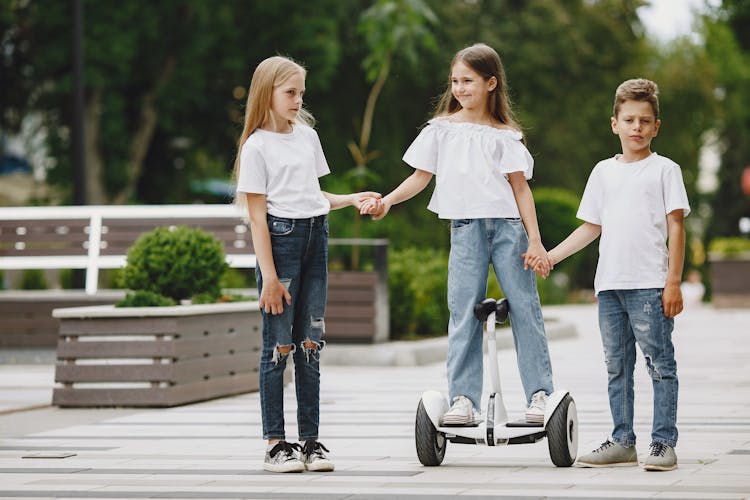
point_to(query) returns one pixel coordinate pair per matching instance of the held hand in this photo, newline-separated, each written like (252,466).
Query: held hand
(359,200)
(369,206)
(671,300)
(382,211)
(536,258)
(273,296)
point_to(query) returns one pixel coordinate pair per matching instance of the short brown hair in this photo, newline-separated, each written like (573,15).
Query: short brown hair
(637,89)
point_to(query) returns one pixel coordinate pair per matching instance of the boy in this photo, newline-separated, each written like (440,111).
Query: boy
(636,201)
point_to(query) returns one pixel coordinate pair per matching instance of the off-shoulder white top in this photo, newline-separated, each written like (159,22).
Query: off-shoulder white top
(471,163)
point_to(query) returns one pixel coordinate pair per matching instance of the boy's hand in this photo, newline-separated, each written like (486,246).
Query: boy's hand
(273,296)
(671,300)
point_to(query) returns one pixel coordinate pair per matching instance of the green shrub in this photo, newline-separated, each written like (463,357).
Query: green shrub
(33,279)
(143,298)
(556,213)
(176,262)
(556,210)
(730,246)
(417,286)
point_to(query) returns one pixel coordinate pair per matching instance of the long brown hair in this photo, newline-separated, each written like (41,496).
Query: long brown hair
(486,62)
(269,74)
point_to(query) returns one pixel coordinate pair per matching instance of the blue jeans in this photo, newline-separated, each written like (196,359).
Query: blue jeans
(475,243)
(627,317)
(300,253)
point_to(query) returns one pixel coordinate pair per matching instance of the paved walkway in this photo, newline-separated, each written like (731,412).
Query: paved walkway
(213,450)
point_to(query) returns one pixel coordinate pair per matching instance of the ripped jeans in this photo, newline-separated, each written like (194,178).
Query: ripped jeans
(627,317)
(300,254)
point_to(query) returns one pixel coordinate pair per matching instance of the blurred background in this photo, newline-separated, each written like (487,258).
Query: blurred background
(162,85)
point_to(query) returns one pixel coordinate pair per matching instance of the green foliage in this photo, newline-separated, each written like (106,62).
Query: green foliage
(33,279)
(207,298)
(175,262)
(145,298)
(556,210)
(237,278)
(417,285)
(730,246)
(556,213)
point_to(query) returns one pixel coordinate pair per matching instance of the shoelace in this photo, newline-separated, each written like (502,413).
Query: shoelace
(658,449)
(314,447)
(604,446)
(284,447)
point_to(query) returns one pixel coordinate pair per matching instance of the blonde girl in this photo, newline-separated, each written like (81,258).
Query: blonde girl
(474,148)
(278,164)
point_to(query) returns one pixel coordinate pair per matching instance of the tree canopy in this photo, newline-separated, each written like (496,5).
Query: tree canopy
(165,84)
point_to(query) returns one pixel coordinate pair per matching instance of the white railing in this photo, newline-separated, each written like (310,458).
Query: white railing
(94,214)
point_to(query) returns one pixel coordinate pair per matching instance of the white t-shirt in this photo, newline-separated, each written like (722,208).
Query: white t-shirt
(285,167)
(470,162)
(630,201)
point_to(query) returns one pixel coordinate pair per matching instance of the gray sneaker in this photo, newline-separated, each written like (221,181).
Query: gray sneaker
(282,457)
(313,457)
(610,454)
(662,457)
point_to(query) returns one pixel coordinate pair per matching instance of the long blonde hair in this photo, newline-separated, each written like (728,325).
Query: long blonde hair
(484,60)
(269,74)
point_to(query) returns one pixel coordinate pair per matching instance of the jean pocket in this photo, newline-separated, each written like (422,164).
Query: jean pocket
(458,223)
(513,220)
(278,226)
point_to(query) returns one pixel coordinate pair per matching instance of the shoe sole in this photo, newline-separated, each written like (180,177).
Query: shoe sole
(320,468)
(615,464)
(284,468)
(659,468)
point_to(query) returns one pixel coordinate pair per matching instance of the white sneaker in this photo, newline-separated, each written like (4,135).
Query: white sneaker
(282,457)
(535,411)
(461,413)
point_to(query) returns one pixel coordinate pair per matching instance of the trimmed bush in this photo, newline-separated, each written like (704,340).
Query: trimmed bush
(33,279)
(417,286)
(142,298)
(177,262)
(732,246)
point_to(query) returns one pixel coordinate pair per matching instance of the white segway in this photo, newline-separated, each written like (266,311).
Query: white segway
(560,425)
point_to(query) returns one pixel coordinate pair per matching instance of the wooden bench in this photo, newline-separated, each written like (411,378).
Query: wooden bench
(98,237)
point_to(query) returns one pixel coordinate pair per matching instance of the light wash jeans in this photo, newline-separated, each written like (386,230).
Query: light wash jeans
(475,243)
(627,317)
(300,253)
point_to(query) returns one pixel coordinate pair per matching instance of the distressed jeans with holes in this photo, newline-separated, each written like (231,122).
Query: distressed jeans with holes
(300,253)
(475,243)
(627,317)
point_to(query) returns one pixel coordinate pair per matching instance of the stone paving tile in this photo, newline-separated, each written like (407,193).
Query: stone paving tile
(213,449)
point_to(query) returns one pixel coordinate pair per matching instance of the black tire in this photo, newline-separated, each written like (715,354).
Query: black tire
(562,433)
(430,443)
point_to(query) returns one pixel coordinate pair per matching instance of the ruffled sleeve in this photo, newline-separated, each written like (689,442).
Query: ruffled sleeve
(514,157)
(423,152)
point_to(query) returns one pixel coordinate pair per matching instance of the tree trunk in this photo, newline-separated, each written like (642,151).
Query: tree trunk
(144,131)
(96,194)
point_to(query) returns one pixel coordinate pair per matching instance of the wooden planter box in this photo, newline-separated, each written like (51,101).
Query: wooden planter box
(730,280)
(156,356)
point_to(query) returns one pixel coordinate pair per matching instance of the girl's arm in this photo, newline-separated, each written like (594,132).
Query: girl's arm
(582,236)
(274,294)
(535,256)
(672,297)
(354,199)
(410,187)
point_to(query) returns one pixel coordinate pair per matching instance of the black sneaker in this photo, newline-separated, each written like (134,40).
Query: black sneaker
(283,458)
(314,458)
